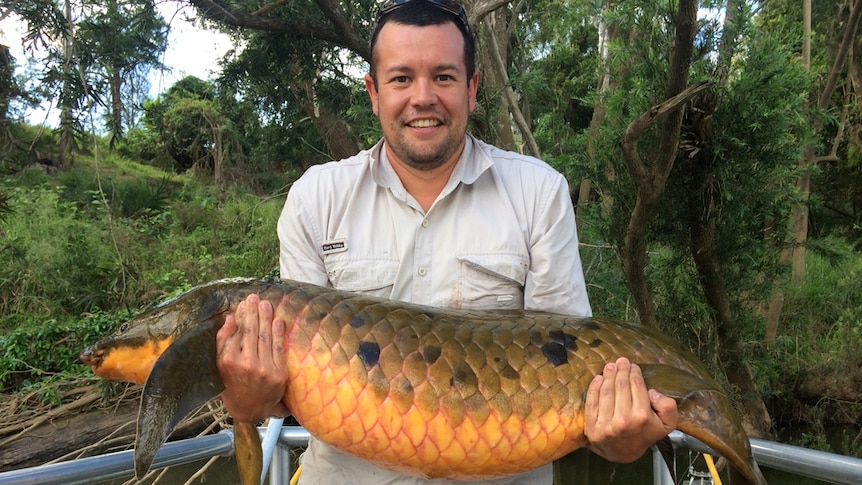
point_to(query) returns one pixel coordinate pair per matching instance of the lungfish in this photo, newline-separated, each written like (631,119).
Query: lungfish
(432,392)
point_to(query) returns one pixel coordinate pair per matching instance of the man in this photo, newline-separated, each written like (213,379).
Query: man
(431,215)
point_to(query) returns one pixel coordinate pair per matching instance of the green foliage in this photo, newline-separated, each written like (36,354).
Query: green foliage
(74,244)
(37,348)
(821,328)
(82,246)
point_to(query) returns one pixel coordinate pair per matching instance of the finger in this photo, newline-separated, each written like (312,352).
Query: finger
(225,333)
(639,395)
(247,319)
(278,342)
(622,388)
(591,403)
(607,394)
(264,310)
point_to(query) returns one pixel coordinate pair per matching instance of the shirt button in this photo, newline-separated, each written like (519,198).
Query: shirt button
(422,271)
(424,222)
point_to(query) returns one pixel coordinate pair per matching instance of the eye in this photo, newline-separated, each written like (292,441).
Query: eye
(124,327)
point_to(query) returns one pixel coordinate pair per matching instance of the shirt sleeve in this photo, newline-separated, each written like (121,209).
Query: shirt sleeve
(555,280)
(300,254)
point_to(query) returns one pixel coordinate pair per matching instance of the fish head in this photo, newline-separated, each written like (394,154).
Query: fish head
(129,353)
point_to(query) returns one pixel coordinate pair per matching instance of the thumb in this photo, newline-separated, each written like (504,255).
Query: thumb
(226,331)
(665,408)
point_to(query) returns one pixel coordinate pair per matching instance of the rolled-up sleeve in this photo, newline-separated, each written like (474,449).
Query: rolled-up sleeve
(555,281)
(300,241)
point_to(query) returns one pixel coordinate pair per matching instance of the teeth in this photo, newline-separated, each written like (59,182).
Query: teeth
(424,123)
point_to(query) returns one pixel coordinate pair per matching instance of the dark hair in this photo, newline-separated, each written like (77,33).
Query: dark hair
(422,13)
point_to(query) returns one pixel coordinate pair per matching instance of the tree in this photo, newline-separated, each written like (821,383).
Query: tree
(119,42)
(828,45)
(193,130)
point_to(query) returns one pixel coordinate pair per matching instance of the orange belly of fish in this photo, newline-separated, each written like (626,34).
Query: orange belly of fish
(423,431)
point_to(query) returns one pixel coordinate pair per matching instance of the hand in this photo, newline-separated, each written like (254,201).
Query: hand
(622,419)
(252,363)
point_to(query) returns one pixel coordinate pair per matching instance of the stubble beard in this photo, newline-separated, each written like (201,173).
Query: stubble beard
(426,158)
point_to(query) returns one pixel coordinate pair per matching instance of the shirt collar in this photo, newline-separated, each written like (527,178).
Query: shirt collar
(473,163)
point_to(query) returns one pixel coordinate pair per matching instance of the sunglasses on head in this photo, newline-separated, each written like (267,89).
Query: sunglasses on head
(450,6)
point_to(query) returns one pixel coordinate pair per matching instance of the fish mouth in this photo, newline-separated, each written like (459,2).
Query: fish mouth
(92,356)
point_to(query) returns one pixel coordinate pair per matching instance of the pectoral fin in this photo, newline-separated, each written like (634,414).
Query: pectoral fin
(249,455)
(673,382)
(184,377)
(680,385)
(706,413)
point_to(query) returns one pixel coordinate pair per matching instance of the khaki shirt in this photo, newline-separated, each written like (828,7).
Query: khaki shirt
(501,234)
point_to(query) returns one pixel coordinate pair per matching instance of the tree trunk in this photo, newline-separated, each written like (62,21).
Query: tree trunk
(334,131)
(584,190)
(698,170)
(493,86)
(116,83)
(702,215)
(6,82)
(650,177)
(799,219)
(604,83)
(66,96)
(498,65)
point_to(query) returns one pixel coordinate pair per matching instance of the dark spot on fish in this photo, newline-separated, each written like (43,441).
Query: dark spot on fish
(509,372)
(555,353)
(357,322)
(566,340)
(462,374)
(406,386)
(590,325)
(596,343)
(561,337)
(536,338)
(431,354)
(369,353)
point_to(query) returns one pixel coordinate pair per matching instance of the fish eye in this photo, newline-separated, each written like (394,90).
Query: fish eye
(124,327)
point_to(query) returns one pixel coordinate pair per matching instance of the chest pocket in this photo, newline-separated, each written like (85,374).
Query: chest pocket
(371,277)
(492,281)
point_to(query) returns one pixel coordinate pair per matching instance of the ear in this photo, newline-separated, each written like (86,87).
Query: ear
(372,93)
(473,88)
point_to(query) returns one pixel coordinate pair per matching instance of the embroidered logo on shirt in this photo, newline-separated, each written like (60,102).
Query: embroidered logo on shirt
(334,246)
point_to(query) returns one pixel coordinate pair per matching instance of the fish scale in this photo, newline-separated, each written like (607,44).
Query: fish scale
(432,392)
(485,419)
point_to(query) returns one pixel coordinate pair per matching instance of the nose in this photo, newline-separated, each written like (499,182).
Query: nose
(424,93)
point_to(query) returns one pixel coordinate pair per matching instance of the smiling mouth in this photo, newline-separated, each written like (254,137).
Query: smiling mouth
(424,123)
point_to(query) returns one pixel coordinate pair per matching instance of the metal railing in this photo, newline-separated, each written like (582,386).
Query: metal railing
(827,467)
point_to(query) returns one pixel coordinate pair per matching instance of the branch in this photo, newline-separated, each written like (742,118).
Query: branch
(646,121)
(481,8)
(337,32)
(514,107)
(267,8)
(841,56)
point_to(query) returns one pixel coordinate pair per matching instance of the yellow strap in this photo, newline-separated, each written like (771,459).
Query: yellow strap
(295,478)
(716,480)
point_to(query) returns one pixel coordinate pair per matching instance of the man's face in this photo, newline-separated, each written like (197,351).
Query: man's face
(423,96)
